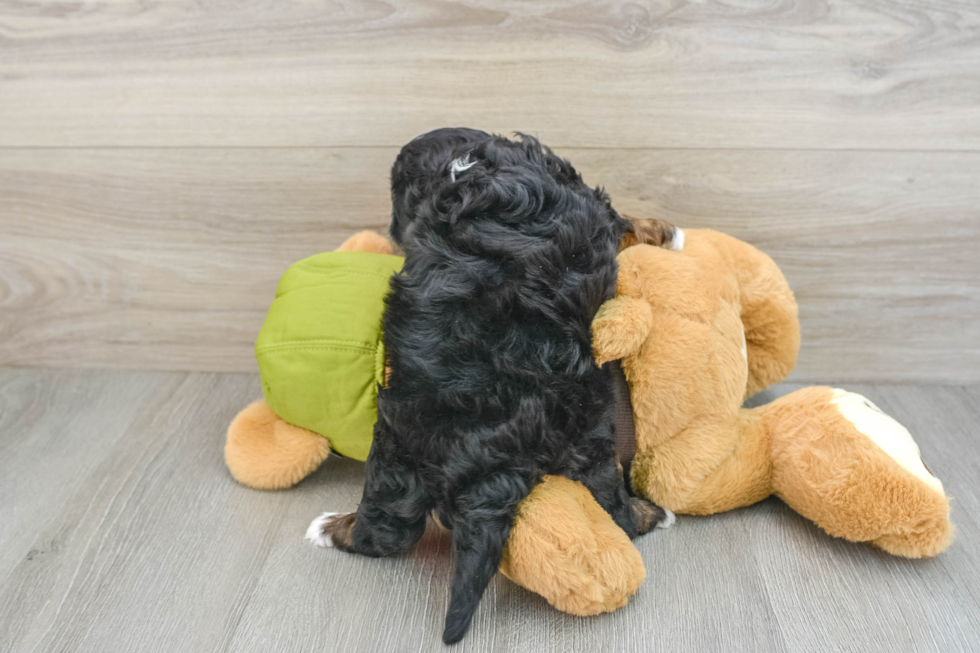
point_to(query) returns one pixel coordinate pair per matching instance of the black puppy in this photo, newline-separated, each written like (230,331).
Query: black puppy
(508,256)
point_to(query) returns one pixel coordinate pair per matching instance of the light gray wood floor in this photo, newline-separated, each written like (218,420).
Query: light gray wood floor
(120,530)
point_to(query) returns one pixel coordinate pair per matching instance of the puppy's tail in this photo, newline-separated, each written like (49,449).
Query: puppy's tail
(480,532)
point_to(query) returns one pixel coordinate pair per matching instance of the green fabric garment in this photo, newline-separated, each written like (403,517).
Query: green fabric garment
(320,352)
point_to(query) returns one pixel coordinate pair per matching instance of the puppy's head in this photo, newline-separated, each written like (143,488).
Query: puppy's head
(433,160)
(464,185)
(422,167)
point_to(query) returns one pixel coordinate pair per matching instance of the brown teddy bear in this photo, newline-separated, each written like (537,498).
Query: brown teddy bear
(697,328)
(700,330)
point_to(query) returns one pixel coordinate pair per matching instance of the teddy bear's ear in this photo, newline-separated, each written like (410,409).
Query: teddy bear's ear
(645,231)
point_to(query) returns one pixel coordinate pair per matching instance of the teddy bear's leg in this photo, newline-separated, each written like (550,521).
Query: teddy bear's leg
(566,548)
(715,464)
(264,452)
(856,472)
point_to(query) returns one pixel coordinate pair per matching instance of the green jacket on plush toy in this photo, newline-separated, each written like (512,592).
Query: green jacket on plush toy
(320,351)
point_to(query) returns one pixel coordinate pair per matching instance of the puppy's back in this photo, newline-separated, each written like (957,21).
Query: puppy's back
(505,267)
(487,330)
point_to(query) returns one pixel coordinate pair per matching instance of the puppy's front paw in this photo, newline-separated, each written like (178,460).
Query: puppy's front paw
(315,532)
(332,529)
(649,515)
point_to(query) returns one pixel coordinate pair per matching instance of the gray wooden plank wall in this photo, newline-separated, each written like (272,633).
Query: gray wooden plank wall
(161,163)
(126,534)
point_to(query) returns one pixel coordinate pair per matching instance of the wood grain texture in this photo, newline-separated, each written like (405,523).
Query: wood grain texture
(46,453)
(148,544)
(168,258)
(667,73)
(147,535)
(914,605)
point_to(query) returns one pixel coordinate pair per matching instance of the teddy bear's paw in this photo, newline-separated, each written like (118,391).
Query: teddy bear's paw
(265,452)
(565,547)
(331,529)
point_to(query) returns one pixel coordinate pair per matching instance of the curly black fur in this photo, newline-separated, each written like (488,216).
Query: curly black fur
(421,167)
(487,331)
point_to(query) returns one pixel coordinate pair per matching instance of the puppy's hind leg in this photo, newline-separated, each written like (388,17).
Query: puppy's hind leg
(636,516)
(484,514)
(391,516)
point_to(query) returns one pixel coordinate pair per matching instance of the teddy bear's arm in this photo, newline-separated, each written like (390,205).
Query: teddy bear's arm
(769,312)
(772,327)
(620,327)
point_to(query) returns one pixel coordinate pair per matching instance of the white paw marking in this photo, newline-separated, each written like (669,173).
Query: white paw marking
(461,164)
(668,521)
(315,532)
(677,242)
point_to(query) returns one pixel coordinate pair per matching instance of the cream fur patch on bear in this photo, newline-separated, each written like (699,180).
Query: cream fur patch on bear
(893,438)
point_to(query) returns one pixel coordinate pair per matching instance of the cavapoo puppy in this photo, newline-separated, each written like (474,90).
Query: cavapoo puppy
(508,256)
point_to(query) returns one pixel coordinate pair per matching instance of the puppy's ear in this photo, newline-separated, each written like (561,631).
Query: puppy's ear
(422,168)
(645,231)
